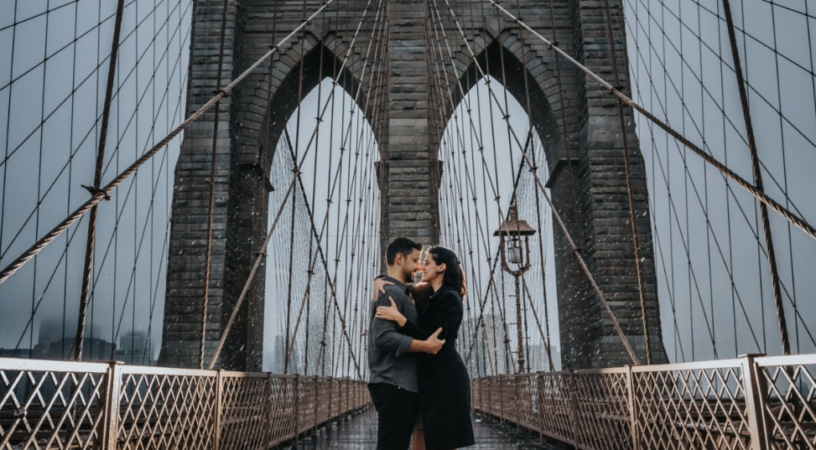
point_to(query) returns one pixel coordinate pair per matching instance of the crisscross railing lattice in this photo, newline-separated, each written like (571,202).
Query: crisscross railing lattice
(62,405)
(751,402)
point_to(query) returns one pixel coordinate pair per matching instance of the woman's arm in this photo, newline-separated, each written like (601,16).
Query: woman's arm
(446,314)
(379,287)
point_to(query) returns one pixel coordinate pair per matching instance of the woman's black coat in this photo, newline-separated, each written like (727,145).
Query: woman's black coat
(444,384)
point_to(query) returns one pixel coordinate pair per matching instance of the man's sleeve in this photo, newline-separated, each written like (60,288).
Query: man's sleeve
(384,332)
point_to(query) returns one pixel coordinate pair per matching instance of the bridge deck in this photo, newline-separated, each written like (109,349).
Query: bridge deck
(360,433)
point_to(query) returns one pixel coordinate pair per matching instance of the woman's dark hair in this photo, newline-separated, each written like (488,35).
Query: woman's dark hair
(453,272)
(421,292)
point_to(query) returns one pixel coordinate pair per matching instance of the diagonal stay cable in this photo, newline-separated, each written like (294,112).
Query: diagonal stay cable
(633,222)
(100,195)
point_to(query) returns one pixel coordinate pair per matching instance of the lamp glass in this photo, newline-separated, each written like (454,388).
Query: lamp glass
(514,252)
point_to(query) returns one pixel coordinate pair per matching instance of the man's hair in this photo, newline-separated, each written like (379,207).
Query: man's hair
(400,245)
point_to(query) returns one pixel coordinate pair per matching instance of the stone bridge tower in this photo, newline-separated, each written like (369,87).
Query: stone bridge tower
(407,130)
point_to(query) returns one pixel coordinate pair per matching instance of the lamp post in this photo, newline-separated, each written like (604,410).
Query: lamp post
(515,260)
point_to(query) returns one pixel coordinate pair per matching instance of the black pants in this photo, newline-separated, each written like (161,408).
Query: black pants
(397,411)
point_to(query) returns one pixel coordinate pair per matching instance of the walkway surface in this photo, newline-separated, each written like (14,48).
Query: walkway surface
(360,433)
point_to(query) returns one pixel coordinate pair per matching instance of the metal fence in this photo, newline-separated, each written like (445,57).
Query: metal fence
(67,405)
(751,402)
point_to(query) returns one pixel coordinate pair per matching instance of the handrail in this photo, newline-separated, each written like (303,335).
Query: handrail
(752,402)
(110,406)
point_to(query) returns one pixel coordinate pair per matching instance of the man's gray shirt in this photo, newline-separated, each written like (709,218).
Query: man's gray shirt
(388,358)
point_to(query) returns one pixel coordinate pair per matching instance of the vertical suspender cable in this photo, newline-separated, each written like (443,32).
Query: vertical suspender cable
(211,210)
(630,196)
(755,168)
(100,160)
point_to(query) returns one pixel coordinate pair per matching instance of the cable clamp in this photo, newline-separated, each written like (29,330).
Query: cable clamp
(222,91)
(95,190)
(261,254)
(273,47)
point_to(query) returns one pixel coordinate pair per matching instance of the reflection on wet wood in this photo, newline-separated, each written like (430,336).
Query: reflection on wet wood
(360,433)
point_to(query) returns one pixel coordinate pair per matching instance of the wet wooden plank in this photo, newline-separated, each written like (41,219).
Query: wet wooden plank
(360,433)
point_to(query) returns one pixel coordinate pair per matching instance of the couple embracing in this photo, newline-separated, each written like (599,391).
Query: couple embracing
(418,382)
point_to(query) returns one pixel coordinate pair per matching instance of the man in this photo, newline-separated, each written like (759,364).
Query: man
(393,381)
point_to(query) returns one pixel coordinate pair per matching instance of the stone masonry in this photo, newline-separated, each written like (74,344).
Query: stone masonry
(588,187)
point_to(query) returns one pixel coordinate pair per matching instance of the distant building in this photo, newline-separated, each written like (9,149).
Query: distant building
(279,357)
(537,358)
(93,349)
(490,346)
(132,348)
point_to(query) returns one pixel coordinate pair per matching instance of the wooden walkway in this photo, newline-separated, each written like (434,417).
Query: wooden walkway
(360,433)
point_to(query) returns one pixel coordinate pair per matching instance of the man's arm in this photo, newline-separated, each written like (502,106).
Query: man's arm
(387,336)
(431,345)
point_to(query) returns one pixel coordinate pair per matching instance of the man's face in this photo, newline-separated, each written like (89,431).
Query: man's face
(410,266)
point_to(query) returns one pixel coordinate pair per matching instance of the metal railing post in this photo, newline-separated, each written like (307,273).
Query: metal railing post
(501,400)
(633,412)
(517,409)
(331,397)
(297,409)
(575,413)
(269,407)
(317,397)
(490,391)
(111,406)
(755,388)
(539,383)
(218,408)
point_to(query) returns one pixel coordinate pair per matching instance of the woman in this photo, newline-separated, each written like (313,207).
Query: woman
(444,384)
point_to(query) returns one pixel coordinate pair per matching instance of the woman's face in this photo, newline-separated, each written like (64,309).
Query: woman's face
(430,270)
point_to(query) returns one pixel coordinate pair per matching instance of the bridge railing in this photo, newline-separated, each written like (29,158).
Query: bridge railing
(759,403)
(67,405)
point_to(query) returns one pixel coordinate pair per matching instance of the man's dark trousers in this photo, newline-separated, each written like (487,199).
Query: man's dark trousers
(397,411)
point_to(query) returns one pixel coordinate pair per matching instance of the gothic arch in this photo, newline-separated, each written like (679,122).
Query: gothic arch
(545,118)
(582,198)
